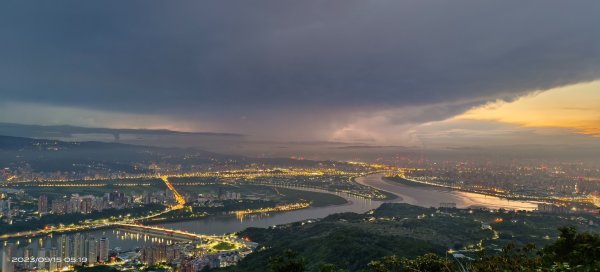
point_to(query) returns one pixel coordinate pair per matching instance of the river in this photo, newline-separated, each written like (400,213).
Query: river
(429,196)
(425,196)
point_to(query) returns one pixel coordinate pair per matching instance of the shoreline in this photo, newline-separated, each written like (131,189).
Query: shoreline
(426,195)
(397,197)
(409,182)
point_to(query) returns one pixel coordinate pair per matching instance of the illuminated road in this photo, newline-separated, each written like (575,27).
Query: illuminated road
(178,197)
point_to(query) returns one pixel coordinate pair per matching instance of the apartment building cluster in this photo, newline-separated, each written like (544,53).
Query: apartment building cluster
(56,255)
(88,203)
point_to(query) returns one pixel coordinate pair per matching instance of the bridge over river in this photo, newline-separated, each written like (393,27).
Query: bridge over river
(180,235)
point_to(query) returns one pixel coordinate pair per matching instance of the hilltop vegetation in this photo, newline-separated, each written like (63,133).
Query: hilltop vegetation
(572,251)
(330,242)
(401,237)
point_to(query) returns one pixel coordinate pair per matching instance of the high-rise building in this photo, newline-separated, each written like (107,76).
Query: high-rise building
(64,249)
(92,250)
(5,208)
(116,197)
(73,204)
(53,265)
(154,254)
(78,247)
(8,252)
(43,204)
(86,205)
(41,254)
(59,206)
(103,247)
(551,208)
(27,255)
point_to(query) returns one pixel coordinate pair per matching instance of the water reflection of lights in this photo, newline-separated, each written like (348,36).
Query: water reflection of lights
(251,217)
(124,235)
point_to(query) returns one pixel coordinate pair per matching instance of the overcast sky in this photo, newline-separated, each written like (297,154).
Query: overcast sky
(364,71)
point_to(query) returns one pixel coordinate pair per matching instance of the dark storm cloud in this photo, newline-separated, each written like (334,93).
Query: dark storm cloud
(231,57)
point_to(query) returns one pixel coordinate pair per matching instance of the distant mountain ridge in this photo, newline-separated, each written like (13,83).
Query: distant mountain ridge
(21,143)
(52,131)
(43,155)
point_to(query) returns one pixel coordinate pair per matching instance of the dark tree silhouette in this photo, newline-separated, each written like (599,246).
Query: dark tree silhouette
(289,261)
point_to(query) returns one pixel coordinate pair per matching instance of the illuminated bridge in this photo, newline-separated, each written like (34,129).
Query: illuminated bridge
(179,234)
(161,232)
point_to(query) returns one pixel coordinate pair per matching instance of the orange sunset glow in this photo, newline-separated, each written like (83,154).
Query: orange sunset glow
(575,107)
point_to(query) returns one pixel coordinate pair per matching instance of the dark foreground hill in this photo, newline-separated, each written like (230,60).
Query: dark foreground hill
(401,237)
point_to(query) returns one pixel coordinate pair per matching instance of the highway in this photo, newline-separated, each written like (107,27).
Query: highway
(178,197)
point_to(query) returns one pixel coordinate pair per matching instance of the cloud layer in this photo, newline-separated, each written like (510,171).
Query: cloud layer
(293,69)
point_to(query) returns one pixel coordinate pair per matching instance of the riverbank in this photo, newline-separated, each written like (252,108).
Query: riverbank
(411,182)
(391,196)
(388,195)
(430,196)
